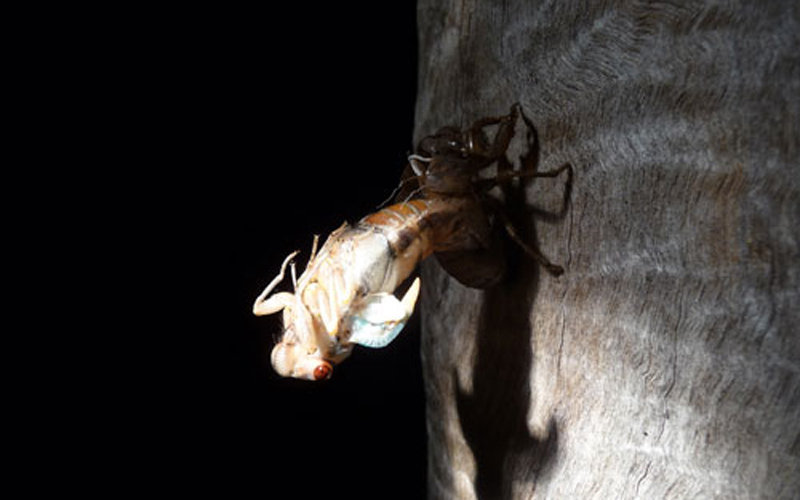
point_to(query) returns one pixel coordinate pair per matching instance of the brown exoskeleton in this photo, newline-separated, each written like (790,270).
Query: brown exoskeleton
(448,166)
(345,295)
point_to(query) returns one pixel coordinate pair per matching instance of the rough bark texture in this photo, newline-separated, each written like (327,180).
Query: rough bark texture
(665,362)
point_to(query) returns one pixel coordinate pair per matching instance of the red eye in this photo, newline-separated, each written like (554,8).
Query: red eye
(322,371)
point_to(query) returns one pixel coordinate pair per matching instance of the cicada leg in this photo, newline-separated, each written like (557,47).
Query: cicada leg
(266,304)
(485,185)
(477,139)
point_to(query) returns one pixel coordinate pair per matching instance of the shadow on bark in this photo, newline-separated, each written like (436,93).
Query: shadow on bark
(493,416)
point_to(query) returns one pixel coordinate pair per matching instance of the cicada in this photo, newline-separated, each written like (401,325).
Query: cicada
(346,294)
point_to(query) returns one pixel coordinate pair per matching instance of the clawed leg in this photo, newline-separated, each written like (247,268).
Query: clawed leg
(495,152)
(477,140)
(485,185)
(532,252)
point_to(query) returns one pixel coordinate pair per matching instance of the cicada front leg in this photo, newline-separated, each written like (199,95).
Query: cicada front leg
(266,304)
(476,138)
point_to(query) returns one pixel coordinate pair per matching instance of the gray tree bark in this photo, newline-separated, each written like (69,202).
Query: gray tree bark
(665,362)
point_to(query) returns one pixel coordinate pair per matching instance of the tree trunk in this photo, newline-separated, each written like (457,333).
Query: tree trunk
(665,361)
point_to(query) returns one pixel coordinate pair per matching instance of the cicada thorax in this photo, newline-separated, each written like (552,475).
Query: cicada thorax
(354,264)
(330,285)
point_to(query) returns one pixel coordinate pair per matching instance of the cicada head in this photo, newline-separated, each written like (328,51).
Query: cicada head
(304,351)
(293,360)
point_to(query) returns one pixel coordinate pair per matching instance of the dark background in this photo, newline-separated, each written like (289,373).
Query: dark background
(270,126)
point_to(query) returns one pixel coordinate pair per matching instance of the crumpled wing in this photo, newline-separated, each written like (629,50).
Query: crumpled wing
(382,316)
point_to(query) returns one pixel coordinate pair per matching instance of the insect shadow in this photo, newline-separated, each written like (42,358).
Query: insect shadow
(493,416)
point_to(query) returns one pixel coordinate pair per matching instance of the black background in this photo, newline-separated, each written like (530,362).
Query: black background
(258,130)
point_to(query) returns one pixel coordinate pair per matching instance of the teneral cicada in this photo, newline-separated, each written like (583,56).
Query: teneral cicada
(345,295)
